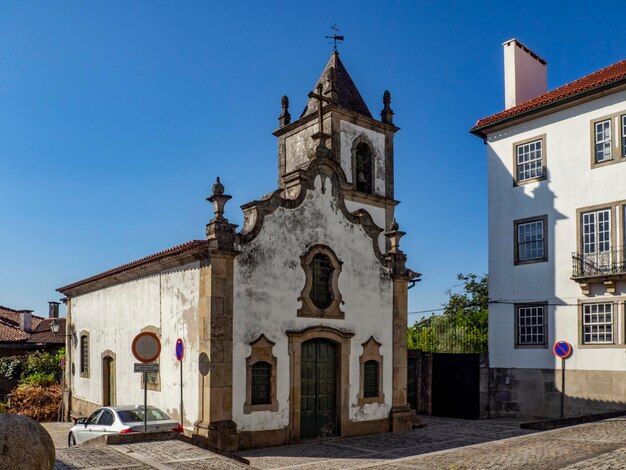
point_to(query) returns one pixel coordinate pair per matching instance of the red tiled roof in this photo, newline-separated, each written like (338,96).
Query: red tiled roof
(606,77)
(10,326)
(43,333)
(187,246)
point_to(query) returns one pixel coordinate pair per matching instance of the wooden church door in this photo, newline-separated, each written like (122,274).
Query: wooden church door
(318,402)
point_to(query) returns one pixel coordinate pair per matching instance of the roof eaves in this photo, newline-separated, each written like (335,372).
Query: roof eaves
(479,130)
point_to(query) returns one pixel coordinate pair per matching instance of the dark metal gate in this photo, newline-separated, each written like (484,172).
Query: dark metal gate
(456,385)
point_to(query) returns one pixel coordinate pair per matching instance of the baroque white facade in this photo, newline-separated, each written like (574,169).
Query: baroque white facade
(301,314)
(556,236)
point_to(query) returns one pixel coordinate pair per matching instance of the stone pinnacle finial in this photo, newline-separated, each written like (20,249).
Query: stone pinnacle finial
(386,115)
(218,188)
(394,225)
(285,117)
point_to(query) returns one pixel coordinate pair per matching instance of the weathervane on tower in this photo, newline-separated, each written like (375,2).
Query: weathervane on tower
(335,37)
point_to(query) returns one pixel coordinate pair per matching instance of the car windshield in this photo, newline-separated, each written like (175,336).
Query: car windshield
(136,416)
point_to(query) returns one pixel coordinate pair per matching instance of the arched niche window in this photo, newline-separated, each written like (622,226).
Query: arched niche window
(322,271)
(371,362)
(261,383)
(370,379)
(363,176)
(261,377)
(320,296)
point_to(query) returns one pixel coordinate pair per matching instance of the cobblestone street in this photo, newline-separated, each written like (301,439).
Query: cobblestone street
(442,444)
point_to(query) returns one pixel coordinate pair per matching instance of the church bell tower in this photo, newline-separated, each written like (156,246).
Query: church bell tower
(336,123)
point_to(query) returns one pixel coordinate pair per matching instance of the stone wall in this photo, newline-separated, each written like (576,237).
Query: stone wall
(536,393)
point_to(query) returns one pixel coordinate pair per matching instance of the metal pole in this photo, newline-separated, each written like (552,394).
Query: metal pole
(181,394)
(145,402)
(562,387)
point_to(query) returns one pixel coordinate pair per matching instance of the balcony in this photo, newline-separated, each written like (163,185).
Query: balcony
(606,267)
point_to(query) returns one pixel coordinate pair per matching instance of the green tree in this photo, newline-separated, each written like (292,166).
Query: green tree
(462,327)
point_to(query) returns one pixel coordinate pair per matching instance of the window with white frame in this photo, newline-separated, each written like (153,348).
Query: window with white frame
(623,126)
(531,325)
(530,240)
(529,160)
(596,231)
(530,237)
(602,133)
(597,323)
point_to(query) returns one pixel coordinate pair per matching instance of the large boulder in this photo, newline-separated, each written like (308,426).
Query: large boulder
(24,444)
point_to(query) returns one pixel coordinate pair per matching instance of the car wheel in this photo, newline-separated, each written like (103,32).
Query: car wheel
(71,440)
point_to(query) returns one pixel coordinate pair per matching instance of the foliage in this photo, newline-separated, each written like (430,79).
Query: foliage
(37,368)
(12,367)
(40,403)
(462,327)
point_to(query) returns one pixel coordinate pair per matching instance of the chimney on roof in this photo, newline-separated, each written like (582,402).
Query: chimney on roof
(525,74)
(26,320)
(53,309)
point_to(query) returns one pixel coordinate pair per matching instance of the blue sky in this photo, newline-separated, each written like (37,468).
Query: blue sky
(115,118)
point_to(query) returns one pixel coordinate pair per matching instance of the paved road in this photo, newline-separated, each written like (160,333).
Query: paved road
(460,445)
(443,444)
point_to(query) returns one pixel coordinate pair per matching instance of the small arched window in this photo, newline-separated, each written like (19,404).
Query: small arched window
(370,379)
(322,269)
(261,383)
(363,168)
(84,355)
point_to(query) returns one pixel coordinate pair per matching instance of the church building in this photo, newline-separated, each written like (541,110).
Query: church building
(295,326)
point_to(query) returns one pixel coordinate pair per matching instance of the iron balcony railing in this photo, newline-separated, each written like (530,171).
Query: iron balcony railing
(604,263)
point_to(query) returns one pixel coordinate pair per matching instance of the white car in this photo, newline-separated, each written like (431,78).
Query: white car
(120,420)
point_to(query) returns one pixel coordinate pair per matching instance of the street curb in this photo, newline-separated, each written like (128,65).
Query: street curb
(570,421)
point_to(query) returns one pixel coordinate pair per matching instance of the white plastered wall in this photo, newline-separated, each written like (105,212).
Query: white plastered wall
(114,315)
(571,184)
(269,280)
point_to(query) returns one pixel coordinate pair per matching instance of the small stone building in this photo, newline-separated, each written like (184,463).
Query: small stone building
(298,319)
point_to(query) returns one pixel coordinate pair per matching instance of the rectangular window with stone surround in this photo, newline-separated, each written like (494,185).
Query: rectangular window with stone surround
(530,322)
(597,323)
(602,143)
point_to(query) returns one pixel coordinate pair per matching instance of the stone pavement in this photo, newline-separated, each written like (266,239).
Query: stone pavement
(442,444)
(460,445)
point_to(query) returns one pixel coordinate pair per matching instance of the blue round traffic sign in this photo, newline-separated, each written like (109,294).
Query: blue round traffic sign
(180,349)
(562,349)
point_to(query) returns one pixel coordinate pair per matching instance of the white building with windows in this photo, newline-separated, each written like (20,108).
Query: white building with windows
(557,219)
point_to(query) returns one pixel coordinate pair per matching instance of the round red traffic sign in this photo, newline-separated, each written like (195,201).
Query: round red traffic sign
(180,349)
(562,349)
(146,347)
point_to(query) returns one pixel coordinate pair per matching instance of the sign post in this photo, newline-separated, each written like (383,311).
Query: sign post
(180,352)
(563,350)
(146,348)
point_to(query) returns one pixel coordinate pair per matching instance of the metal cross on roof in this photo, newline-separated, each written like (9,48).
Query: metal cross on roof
(335,37)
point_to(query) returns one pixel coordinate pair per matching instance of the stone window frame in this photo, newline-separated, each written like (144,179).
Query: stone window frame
(618,143)
(544,160)
(308,308)
(261,350)
(371,352)
(363,139)
(111,354)
(84,371)
(516,342)
(616,344)
(527,220)
(154,386)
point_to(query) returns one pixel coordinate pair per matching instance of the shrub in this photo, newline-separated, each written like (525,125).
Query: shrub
(40,403)
(12,367)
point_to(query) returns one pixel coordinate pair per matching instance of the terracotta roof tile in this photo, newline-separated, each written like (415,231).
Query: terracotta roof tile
(190,245)
(605,77)
(10,326)
(43,332)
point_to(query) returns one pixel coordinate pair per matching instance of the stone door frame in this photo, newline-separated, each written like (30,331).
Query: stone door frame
(107,362)
(342,340)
